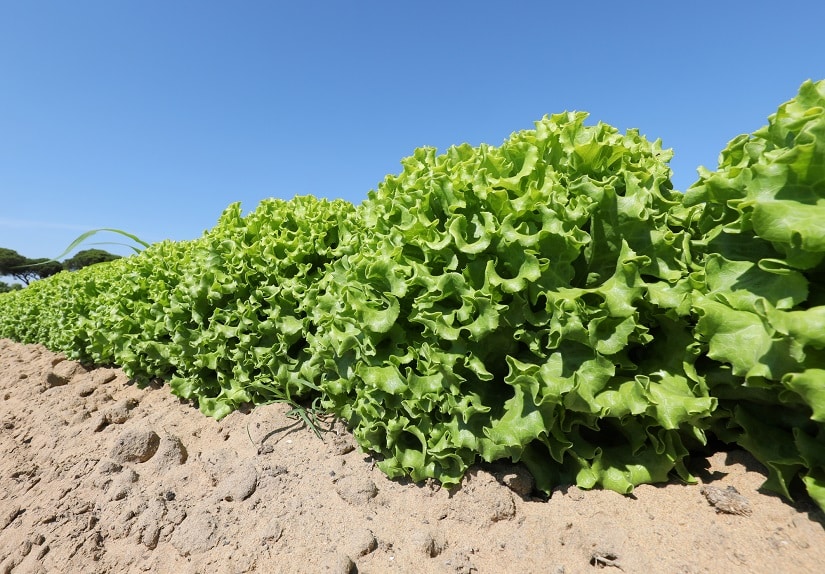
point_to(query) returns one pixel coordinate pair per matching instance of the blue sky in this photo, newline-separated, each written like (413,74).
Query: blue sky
(153,116)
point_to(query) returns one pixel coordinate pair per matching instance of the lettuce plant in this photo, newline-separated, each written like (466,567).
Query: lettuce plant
(224,318)
(760,244)
(523,302)
(239,318)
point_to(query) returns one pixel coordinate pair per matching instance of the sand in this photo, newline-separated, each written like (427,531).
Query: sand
(98,475)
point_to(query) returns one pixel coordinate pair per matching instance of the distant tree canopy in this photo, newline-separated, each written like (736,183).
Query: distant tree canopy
(45,267)
(10,259)
(5,287)
(88,257)
(12,264)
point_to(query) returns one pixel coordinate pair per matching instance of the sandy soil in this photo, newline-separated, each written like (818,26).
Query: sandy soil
(98,475)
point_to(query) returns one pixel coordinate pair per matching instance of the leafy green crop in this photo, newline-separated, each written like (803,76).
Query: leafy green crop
(498,304)
(223,318)
(551,300)
(239,319)
(761,240)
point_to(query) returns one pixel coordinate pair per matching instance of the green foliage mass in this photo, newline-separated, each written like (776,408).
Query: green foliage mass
(88,257)
(551,300)
(10,261)
(497,305)
(760,240)
(5,287)
(12,264)
(224,318)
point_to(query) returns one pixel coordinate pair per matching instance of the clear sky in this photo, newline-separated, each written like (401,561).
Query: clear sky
(153,116)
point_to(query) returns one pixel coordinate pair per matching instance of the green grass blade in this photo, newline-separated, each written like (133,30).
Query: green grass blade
(84,236)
